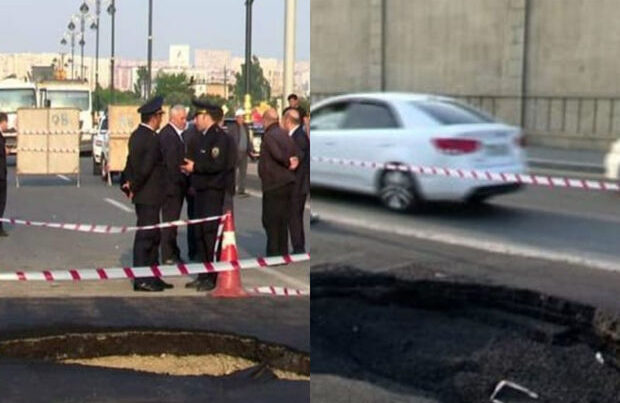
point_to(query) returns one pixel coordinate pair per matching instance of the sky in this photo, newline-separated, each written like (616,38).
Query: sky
(38,26)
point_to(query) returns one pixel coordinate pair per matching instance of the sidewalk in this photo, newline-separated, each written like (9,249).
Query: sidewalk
(558,159)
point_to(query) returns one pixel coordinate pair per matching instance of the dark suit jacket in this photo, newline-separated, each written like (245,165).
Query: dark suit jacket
(302,173)
(2,158)
(145,167)
(235,131)
(210,153)
(275,151)
(173,150)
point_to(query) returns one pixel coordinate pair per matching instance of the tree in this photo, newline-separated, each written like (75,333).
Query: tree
(120,98)
(175,88)
(139,87)
(260,89)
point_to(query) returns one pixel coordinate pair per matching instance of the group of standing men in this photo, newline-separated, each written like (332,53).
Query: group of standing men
(163,170)
(198,164)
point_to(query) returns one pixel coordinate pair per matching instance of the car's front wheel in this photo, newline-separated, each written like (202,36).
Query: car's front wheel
(103,171)
(397,191)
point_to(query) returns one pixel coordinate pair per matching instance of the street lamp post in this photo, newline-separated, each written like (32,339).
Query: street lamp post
(71,28)
(112,11)
(83,12)
(150,50)
(248,59)
(95,26)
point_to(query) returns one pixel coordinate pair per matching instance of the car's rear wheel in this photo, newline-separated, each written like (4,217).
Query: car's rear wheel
(398,192)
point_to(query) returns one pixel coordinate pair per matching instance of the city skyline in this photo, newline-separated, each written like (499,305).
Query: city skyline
(173,23)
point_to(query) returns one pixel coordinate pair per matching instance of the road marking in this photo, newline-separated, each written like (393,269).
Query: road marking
(64,178)
(119,205)
(474,243)
(288,279)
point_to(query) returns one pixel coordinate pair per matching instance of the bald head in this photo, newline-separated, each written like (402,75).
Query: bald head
(291,119)
(270,117)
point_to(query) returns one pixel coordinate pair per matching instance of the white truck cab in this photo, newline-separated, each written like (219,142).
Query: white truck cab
(70,94)
(15,94)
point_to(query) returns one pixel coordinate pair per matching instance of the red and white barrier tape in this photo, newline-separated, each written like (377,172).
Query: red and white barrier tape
(51,150)
(154,271)
(279,291)
(475,174)
(107,229)
(37,132)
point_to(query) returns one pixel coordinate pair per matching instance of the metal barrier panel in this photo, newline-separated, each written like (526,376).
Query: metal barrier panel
(32,141)
(63,141)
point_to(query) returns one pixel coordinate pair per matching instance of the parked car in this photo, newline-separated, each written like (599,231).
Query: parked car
(612,161)
(100,144)
(411,129)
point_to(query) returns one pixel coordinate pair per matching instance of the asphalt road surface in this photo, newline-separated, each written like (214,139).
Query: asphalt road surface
(36,308)
(57,199)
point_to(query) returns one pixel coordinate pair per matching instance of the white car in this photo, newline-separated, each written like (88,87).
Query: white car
(612,161)
(100,144)
(411,129)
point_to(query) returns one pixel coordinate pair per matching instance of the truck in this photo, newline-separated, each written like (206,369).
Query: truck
(70,94)
(15,94)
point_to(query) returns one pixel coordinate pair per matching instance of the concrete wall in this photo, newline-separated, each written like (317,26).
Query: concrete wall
(475,49)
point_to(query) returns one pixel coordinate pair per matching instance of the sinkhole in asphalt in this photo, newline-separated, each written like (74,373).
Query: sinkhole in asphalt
(455,341)
(173,353)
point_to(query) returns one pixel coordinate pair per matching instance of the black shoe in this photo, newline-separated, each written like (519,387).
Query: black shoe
(163,284)
(3,233)
(147,286)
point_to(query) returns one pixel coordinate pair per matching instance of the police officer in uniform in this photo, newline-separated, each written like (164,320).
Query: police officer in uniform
(144,181)
(207,162)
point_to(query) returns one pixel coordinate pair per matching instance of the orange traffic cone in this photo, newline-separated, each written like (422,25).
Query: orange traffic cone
(229,282)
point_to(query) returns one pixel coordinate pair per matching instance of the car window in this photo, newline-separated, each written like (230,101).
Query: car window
(452,113)
(329,117)
(104,124)
(366,115)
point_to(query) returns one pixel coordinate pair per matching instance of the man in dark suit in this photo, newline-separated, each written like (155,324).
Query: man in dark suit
(145,185)
(173,150)
(208,164)
(277,162)
(241,134)
(292,124)
(4,122)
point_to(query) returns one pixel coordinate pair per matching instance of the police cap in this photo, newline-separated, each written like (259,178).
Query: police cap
(152,106)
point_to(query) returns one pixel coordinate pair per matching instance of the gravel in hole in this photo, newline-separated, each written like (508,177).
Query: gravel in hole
(185,365)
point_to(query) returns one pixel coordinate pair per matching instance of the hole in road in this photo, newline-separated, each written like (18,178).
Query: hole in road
(457,341)
(174,353)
